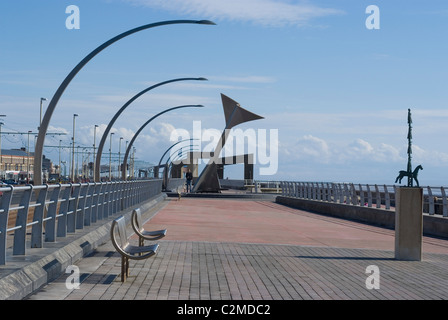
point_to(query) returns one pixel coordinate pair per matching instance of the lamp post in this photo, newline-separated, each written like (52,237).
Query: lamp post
(73,149)
(120,111)
(40,117)
(1,160)
(125,159)
(119,155)
(60,159)
(94,141)
(52,105)
(28,159)
(110,157)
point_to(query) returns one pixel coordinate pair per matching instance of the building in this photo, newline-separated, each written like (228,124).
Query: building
(16,164)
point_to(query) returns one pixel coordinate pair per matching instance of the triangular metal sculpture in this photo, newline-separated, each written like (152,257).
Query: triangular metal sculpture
(234,114)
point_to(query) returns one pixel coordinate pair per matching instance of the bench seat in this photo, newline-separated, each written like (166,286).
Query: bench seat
(137,225)
(126,250)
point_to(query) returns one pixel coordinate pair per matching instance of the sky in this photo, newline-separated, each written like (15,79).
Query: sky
(332,80)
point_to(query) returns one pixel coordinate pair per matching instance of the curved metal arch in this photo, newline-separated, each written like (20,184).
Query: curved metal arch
(168,167)
(52,105)
(177,157)
(125,159)
(164,154)
(119,112)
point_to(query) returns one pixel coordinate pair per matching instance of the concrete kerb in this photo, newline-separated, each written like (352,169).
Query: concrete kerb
(22,275)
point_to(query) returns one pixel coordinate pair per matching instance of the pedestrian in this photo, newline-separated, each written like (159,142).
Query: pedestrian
(189,177)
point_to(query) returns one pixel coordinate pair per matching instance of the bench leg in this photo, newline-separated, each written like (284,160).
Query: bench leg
(124,268)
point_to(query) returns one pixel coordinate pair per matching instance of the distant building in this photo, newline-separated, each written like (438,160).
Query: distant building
(17,164)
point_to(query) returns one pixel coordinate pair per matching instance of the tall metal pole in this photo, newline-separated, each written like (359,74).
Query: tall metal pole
(110,157)
(94,142)
(52,105)
(28,160)
(73,150)
(119,156)
(60,159)
(1,160)
(40,118)
(409,168)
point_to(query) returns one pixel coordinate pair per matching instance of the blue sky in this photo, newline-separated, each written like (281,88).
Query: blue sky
(337,92)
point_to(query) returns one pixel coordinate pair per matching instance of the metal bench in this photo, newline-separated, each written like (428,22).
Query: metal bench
(137,225)
(127,250)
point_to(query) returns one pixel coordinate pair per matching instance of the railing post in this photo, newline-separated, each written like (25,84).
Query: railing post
(431,201)
(362,196)
(38,216)
(387,197)
(63,210)
(80,212)
(50,224)
(354,196)
(88,212)
(73,208)
(21,220)
(369,197)
(321,191)
(4,213)
(107,196)
(444,202)
(378,196)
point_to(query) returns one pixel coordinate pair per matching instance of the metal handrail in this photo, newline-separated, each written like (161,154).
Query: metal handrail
(369,195)
(62,209)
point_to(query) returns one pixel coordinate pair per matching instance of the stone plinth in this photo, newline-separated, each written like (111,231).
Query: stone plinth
(408,223)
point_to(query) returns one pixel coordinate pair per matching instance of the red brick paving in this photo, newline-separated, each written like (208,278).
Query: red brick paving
(231,220)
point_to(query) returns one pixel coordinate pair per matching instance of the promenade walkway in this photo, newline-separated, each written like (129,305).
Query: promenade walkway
(250,249)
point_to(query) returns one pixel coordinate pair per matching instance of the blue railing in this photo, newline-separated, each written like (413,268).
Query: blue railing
(38,214)
(374,195)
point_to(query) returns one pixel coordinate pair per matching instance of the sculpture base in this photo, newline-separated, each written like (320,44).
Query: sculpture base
(408,223)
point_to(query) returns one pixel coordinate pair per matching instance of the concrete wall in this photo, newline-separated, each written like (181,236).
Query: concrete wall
(432,225)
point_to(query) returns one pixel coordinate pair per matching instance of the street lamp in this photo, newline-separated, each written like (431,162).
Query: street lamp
(110,157)
(119,155)
(125,159)
(1,123)
(120,111)
(52,105)
(94,141)
(40,118)
(73,149)
(28,159)
(60,158)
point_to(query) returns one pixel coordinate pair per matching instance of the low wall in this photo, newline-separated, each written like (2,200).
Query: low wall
(432,225)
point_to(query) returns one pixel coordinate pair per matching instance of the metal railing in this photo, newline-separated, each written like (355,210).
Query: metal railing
(380,196)
(42,213)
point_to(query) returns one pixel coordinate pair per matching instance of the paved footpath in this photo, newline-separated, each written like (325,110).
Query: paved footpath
(231,249)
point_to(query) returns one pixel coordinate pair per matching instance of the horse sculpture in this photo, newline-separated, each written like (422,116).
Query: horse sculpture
(413,174)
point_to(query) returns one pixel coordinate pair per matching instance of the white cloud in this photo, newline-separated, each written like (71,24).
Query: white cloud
(310,147)
(318,150)
(264,12)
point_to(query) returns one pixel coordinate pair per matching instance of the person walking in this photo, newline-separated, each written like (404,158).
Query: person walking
(189,177)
